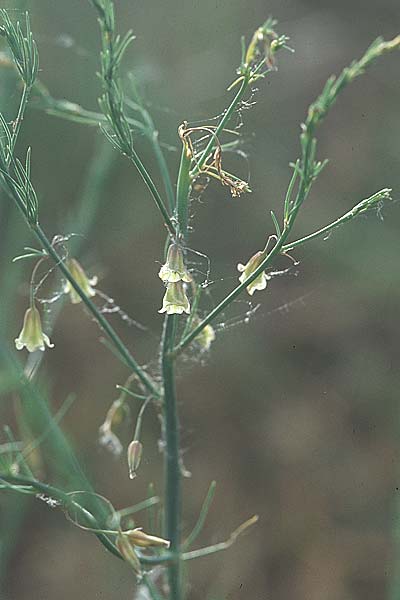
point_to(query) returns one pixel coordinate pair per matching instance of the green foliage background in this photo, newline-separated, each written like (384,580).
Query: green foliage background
(295,414)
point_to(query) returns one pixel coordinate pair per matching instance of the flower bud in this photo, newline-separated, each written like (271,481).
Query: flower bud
(174,269)
(135,450)
(32,336)
(81,279)
(175,301)
(139,538)
(260,282)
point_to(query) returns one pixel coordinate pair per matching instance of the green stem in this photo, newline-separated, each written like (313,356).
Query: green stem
(112,51)
(228,113)
(18,120)
(64,500)
(202,517)
(104,324)
(74,112)
(152,135)
(152,588)
(361,207)
(183,191)
(133,156)
(162,165)
(172,459)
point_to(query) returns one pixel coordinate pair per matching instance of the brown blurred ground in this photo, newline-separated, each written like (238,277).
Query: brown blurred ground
(294,414)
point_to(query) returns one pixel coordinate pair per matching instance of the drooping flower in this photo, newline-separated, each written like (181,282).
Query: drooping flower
(81,279)
(107,437)
(175,301)
(109,440)
(32,336)
(260,282)
(206,336)
(174,269)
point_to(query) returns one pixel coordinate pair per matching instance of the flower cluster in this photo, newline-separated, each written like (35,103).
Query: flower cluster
(175,275)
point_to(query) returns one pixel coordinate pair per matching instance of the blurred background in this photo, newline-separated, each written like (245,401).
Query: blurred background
(295,413)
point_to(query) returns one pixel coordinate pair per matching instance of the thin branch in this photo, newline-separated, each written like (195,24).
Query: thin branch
(222,545)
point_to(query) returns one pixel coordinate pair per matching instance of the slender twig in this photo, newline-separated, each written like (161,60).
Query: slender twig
(112,102)
(367,204)
(64,499)
(202,517)
(130,510)
(152,135)
(26,90)
(71,111)
(221,545)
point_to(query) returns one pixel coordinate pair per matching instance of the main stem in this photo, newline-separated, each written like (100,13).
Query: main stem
(173,494)
(173,487)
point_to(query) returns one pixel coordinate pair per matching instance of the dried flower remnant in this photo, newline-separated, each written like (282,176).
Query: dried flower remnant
(260,282)
(212,166)
(128,552)
(126,542)
(135,451)
(32,336)
(174,269)
(139,538)
(81,279)
(175,301)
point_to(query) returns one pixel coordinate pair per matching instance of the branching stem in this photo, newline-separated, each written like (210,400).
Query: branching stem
(102,321)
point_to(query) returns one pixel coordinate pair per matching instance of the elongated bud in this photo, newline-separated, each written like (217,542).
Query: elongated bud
(81,279)
(174,269)
(175,301)
(135,450)
(32,336)
(139,538)
(128,552)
